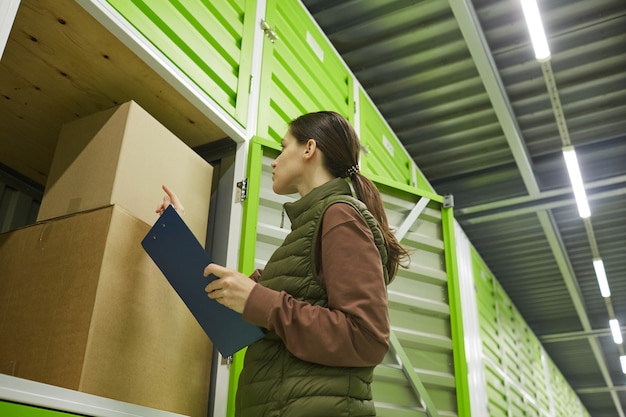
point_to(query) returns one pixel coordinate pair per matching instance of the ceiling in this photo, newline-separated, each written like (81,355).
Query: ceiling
(459,84)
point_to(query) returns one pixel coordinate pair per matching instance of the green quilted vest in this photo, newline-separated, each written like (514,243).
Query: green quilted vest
(274,382)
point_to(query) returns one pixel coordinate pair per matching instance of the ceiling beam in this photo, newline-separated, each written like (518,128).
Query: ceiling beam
(598,390)
(546,195)
(569,336)
(504,209)
(481,53)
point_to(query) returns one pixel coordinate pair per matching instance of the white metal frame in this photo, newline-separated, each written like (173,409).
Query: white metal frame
(8,11)
(471,326)
(36,394)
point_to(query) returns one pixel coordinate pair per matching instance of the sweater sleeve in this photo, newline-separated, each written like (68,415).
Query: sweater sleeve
(354,329)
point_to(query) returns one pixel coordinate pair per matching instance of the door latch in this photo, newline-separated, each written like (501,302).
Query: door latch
(269,32)
(242,191)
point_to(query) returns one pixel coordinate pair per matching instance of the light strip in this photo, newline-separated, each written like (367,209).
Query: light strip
(603,283)
(576,179)
(617,333)
(622,360)
(535,28)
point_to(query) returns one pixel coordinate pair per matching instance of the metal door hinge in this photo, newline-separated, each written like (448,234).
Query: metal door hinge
(269,32)
(227,361)
(242,191)
(448,201)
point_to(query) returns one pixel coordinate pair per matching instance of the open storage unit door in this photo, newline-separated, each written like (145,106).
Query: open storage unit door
(425,369)
(417,377)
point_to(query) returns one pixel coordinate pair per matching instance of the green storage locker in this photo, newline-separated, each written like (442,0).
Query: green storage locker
(520,378)
(210,42)
(383,155)
(301,71)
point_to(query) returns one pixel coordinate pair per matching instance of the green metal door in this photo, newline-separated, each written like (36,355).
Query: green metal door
(301,71)
(209,41)
(383,156)
(419,371)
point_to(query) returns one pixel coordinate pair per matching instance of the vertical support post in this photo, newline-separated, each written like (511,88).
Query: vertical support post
(477,385)
(247,250)
(456,322)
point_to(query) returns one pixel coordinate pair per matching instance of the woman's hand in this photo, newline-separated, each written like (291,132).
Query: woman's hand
(231,289)
(170,198)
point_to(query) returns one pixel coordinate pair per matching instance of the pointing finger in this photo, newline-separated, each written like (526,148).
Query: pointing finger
(172,198)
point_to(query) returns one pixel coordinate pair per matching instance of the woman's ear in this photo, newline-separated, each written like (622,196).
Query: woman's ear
(310,148)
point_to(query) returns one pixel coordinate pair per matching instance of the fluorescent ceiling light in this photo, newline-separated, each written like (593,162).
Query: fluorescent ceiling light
(617,332)
(577,181)
(598,265)
(622,359)
(535,28)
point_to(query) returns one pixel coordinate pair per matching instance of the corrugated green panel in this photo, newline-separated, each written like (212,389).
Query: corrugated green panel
(383,154)
(518,383)
(418,300)
(9,409)
(301,71)
(566,403)
(210,42)
(391,387)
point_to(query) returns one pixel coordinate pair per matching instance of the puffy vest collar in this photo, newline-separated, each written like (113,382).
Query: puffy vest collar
(337,186)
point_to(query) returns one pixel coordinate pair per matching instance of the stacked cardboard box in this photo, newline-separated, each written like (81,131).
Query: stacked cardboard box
(123,156)
(81,304)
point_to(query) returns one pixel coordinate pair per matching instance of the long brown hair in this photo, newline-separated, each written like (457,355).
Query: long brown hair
(340,146)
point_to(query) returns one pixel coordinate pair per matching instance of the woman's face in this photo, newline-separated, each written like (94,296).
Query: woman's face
(288,167)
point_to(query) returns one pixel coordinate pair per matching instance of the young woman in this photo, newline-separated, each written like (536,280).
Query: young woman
(322,297)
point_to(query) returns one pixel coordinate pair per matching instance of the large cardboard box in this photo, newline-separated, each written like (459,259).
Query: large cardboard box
(82,306)
(122,156)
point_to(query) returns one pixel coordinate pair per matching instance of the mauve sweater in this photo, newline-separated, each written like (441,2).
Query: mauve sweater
(353,330)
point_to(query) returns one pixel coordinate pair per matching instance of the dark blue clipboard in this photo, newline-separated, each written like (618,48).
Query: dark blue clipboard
(178,254)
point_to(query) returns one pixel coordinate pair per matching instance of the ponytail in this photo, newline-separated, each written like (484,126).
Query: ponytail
(367,192)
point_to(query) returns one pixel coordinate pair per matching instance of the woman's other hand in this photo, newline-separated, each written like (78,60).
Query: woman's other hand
(170,198)
(231,289)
